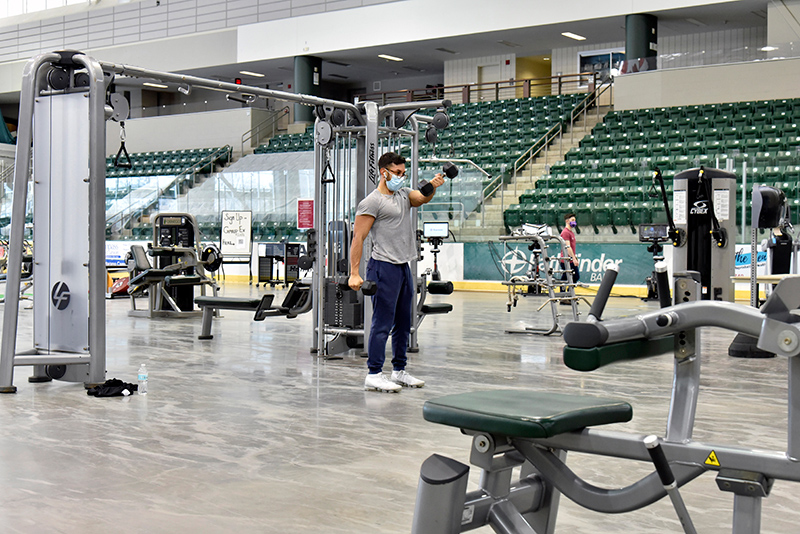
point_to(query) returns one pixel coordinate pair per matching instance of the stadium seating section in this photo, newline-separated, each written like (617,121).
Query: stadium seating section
(607,180)
(169,163)
(491,134)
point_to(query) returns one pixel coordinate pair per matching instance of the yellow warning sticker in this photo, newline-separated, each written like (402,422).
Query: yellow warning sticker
(712,459)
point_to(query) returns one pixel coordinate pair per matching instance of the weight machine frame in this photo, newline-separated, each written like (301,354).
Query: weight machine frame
(543,265)
(341,183)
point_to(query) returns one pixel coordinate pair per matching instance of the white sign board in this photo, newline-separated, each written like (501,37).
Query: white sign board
(236,235)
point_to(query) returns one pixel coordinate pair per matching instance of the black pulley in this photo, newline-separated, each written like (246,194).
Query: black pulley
(211,257)
(441,120)
(56,372)
(82,79)
(305,262)
(431,134)
(58,79)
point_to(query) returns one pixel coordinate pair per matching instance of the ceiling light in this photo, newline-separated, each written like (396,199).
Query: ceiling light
(415,69)
(390,58)
(546,58)
(509,44)
(447,51)
(156,85)
(768,48)
(340,63)
(573,36)
(337,76)
(248,73)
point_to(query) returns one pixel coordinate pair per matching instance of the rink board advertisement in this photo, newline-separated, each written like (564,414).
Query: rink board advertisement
(491,261)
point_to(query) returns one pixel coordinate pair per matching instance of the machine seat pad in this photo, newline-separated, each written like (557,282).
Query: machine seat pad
(227,303)
(183,280)
(151,276)
(432,309)
(524,414)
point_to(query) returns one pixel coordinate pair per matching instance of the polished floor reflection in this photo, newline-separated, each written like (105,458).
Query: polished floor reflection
(249,432)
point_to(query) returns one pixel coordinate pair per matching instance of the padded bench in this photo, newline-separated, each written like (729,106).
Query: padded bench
(532,414)
(524,414)
(297,301)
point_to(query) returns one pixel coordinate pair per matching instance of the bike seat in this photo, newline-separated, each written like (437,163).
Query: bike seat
(524,414)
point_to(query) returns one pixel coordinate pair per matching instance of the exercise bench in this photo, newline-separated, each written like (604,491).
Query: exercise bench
(296,302)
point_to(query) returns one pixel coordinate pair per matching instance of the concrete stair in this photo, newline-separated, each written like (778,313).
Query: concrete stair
(489,224)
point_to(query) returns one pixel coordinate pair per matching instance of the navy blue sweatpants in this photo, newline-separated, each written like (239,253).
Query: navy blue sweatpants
(391,308)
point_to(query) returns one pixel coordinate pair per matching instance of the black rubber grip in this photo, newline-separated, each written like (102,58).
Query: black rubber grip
(662,465)
(426,188)
(585,335)
(599,303)
(662,283)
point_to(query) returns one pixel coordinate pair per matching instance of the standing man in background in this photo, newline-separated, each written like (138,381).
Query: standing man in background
(386,213)
(568,235)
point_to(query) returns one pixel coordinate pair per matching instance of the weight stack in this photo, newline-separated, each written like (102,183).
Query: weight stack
(343,308)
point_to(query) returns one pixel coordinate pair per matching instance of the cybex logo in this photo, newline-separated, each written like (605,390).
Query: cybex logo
(373,176)
(60,295)
(700,208)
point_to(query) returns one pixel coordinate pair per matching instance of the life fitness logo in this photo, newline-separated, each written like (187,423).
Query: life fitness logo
(700,208)
(60,295)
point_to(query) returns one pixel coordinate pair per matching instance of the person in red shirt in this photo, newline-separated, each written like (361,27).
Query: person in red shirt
(568,235)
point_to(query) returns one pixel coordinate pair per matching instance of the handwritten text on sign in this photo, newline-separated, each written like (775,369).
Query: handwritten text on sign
(236,232)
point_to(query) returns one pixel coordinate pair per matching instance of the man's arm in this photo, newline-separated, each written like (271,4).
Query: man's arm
(360,230)
(417,199)
(571,254)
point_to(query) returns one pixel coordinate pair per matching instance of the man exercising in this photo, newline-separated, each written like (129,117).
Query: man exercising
(386,212)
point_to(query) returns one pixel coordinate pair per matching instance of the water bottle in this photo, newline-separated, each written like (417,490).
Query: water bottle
(142,380)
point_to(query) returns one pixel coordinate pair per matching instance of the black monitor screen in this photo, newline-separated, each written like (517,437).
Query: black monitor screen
(653,232)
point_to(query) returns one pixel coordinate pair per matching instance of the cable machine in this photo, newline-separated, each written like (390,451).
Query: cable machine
(348,144)
(66,99)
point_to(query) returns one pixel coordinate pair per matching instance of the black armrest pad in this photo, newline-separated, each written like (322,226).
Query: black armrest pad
(594,358)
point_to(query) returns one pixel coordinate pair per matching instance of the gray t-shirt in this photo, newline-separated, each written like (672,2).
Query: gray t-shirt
(392,232)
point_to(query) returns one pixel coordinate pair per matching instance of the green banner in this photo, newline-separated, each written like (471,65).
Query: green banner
(497,261)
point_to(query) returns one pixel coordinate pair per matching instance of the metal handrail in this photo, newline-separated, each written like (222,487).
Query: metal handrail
(557,130)
(497,87)
(255,130)
(592,98)
(7,173)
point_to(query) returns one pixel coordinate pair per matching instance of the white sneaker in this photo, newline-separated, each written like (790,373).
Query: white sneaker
(405,379)
(378,382)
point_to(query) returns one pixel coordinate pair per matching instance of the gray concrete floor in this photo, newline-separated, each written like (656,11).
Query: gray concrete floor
(249,432)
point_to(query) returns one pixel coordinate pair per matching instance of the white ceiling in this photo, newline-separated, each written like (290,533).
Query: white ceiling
(357,68)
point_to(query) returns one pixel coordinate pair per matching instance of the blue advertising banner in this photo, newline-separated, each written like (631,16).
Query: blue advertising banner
(496,261)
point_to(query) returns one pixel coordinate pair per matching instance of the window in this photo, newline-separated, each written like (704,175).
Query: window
(11,8)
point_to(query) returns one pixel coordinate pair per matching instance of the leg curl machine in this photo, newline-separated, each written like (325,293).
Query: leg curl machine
(535,431)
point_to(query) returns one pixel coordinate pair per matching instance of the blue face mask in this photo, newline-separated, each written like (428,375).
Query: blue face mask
(396,182)
(573,224)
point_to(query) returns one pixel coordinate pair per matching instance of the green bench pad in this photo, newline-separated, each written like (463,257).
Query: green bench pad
(525,414)
(594,358)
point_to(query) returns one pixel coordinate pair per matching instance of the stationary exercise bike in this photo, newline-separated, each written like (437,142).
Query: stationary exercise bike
(534,431)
